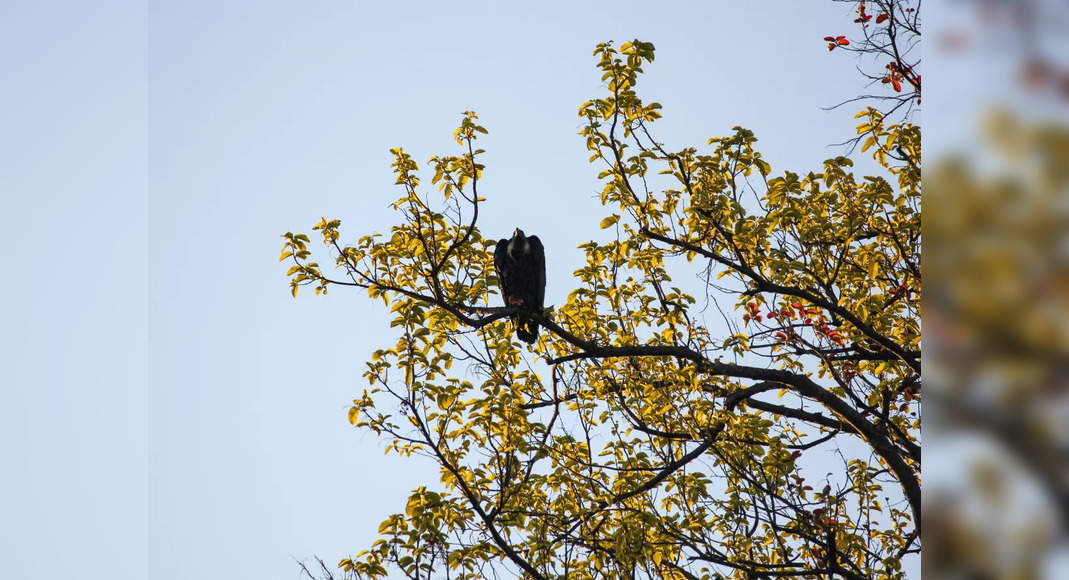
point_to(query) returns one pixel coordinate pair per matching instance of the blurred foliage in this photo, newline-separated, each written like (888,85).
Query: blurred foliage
(633,440)
(996,310)
(997,317)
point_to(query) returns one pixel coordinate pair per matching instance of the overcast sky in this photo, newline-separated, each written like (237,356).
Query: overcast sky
(168,407)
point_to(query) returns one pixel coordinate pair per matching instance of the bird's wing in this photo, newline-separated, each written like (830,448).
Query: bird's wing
(500,260)
(538,253)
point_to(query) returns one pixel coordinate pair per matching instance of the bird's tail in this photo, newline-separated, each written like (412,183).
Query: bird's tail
(526,329)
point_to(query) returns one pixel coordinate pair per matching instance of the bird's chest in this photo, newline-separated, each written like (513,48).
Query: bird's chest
(518,250)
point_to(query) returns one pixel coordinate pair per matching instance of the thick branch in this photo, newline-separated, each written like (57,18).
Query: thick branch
(764,285)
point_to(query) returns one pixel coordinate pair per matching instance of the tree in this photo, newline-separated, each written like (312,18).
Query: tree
(632,439)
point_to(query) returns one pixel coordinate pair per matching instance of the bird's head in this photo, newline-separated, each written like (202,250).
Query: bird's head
(518,243)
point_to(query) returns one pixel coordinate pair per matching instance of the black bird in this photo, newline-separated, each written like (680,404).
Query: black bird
(520,263)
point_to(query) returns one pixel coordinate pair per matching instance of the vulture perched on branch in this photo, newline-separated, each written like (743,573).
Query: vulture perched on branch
(520,262)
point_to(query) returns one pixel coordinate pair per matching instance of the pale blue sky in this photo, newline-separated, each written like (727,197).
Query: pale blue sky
(170,410)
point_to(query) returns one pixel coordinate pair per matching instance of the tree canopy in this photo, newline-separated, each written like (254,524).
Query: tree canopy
(633,439)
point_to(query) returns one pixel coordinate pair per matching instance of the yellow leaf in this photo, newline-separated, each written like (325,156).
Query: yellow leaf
(354,415)
(445,401)
(609,221)
(763,167)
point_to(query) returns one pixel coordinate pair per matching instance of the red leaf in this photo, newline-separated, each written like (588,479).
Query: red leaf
(882,17)
(897,85)
(842,41)
(829,38)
